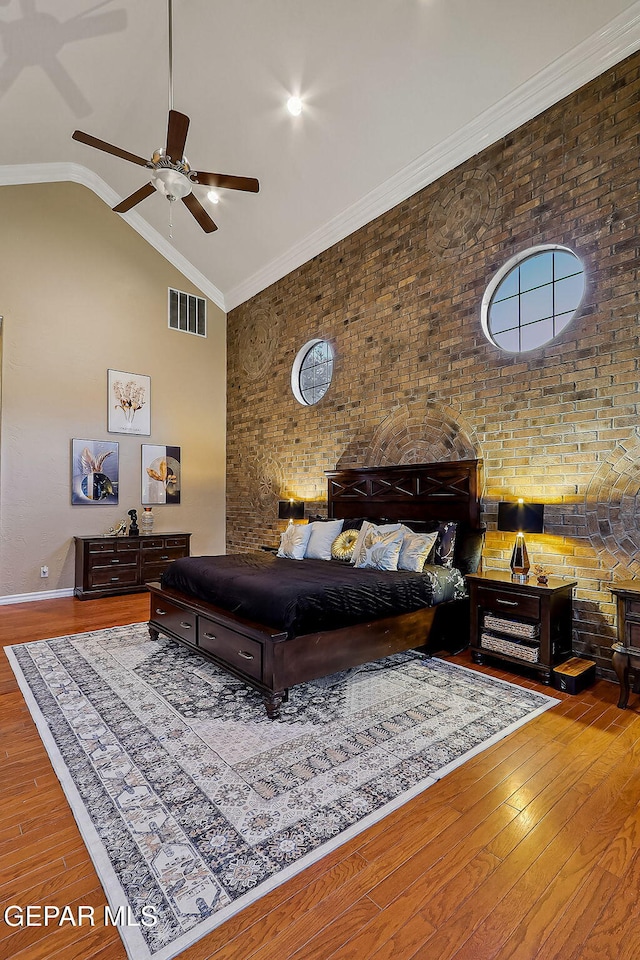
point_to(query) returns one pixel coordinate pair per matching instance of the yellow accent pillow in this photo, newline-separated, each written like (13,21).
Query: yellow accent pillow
(343,545)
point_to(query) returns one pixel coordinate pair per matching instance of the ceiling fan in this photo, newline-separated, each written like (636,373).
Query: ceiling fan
(171,174)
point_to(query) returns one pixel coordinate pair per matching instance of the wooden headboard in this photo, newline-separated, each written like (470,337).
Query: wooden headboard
(448,490)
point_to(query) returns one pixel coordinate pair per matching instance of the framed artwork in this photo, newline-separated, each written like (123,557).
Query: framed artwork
(161,478)
(129,403)
(94,472)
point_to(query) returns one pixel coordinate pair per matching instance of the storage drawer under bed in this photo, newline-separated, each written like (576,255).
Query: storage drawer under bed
(174,619)
(238,651)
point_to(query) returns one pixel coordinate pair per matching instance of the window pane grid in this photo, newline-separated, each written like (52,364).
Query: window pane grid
(316,372)
(524,314)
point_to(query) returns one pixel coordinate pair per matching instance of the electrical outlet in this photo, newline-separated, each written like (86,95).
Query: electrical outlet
(44,571)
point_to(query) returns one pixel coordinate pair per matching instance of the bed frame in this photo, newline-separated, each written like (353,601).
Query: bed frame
(269,660)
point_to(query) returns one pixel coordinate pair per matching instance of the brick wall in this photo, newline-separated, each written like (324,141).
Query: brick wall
(415,379)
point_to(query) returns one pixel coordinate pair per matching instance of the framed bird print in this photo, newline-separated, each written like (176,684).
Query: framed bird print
(129,403)
(161,474)
(94,472)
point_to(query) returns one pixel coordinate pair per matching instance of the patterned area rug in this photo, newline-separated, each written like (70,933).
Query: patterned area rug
(193,804)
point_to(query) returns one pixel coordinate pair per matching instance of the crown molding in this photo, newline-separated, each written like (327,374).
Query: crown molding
(76,173)
(598,53)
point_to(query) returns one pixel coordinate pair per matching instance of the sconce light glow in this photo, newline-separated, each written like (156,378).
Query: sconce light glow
(213,196)
(294,106)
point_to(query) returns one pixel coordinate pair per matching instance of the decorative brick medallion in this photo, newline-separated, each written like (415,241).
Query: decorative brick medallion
(463,212)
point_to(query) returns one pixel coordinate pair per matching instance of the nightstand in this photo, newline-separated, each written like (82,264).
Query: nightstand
(626,652)
(524,624)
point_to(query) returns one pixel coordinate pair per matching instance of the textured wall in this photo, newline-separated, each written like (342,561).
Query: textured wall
(81,292)
(416,380)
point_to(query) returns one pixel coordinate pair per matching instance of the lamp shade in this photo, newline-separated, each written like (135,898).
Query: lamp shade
(521,517)
(290,510)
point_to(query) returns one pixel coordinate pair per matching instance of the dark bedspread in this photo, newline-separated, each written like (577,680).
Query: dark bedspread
(305,596)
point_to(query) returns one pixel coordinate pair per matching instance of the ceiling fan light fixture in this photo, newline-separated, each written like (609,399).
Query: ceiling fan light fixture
(294,106)
(171,174)
(171,183)
(213,196)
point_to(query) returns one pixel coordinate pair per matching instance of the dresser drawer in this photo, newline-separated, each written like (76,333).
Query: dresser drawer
(169,616)
(123,558)
(112,577)
(162,554)
(631,634)
(181,542)
(511,604)
(238,651)
(631,609)
(153,571)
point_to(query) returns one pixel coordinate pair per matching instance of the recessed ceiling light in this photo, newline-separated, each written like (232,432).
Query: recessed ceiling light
(294,106)
(213,196)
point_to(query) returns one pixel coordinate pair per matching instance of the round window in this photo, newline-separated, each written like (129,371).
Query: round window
(312,372)
(532,298)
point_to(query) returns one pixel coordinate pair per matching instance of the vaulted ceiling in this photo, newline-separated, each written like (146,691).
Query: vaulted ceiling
(395,92)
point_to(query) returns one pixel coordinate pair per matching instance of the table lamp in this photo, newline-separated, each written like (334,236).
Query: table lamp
(290,510)
(520,518)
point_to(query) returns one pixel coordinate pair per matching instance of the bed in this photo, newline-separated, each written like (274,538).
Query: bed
(275,622)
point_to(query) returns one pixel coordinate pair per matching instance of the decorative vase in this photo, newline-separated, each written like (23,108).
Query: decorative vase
(146,520)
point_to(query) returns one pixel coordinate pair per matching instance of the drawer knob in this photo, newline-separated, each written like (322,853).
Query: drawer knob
(114,579)
(507,603)
(115,561)
(245,655)
(165,557)
(161,612)
(187,626)
(211,636)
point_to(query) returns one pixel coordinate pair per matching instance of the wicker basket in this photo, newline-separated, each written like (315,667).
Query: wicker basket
(521,651)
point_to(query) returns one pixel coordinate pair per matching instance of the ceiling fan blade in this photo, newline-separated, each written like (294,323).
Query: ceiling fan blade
(136,197)
(176,135)
(198,211)
(227,181)
(108,148)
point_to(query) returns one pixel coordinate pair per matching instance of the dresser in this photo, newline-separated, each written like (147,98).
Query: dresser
(106,566)
(520,624)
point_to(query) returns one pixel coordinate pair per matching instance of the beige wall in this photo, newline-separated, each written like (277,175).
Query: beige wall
(81,292)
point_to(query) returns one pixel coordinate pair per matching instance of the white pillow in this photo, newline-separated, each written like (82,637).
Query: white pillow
(415,549)
(384,528)
(294,540)
(323,533)
(380,551)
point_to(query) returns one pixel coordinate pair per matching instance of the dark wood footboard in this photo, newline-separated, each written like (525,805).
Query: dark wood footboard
(271,662)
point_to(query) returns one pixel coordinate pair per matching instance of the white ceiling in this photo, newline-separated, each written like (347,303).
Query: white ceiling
(395,93)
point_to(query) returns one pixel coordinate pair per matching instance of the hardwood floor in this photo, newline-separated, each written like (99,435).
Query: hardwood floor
(529,850)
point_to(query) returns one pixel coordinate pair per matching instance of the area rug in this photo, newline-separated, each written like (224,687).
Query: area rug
(193,804)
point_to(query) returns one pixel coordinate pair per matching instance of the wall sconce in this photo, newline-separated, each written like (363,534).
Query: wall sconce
(520,518)
(290,510)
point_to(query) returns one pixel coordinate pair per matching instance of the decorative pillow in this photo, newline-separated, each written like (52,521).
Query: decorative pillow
(415,549)
(343,545)
(294,540)
(443,550)
(468,549)
(323,533)
(380,551)
(384,528)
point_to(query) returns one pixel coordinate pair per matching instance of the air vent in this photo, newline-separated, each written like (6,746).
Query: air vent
(187,313)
